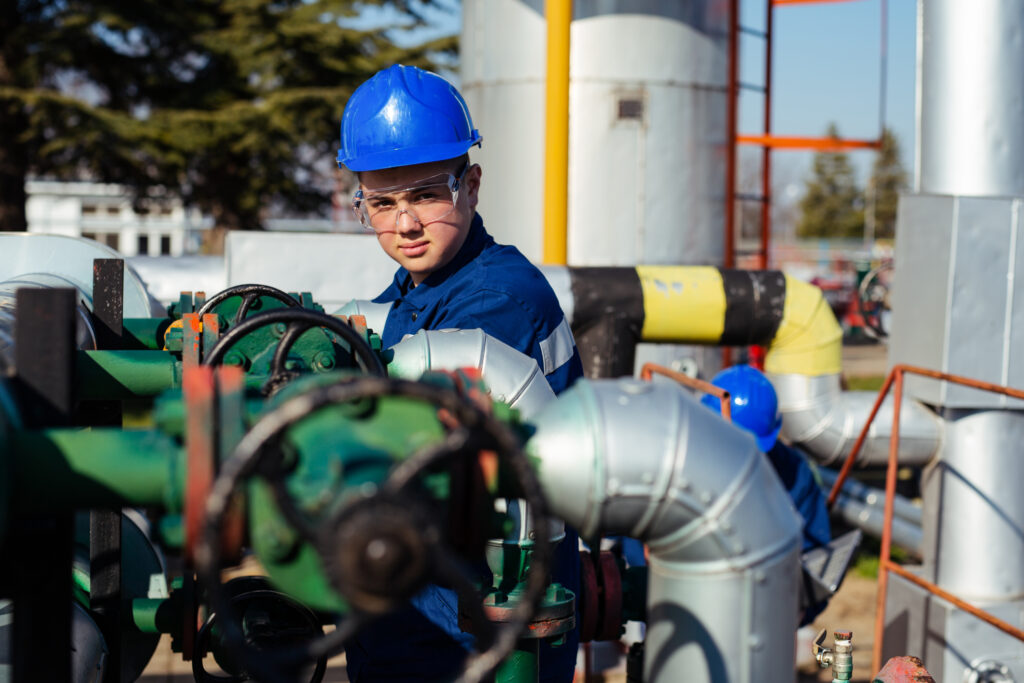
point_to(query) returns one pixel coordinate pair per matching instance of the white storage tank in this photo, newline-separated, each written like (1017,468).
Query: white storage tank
(647,137)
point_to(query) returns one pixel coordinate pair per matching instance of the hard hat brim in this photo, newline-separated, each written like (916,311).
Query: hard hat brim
(409,157)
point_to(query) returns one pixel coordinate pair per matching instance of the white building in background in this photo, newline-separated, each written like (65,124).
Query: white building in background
(104,212)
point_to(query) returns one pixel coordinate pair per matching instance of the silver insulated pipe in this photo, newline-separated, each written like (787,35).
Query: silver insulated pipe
(513,377)
(646,460)
(970,98)
(822,418)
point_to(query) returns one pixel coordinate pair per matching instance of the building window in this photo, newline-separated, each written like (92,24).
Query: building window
(90,209)
(91,236)
(112,241)
(113,210)
(143,245)
(165,245)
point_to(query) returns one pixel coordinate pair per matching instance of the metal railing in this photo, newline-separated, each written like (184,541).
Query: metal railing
(894,381)
(648,371)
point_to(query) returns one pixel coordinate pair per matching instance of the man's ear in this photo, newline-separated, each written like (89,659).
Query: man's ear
(472,182)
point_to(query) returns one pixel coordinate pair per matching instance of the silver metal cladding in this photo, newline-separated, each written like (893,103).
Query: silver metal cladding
(973,502)
(971,98)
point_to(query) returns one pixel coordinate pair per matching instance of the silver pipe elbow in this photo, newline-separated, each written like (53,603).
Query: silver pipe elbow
(512,377)
(648,461)
(820,417)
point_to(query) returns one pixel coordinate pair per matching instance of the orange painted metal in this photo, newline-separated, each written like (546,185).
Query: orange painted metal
(192,331)
(890,494)
(894,381)
(795,142)
(648,371)
(844,472)
(200,450)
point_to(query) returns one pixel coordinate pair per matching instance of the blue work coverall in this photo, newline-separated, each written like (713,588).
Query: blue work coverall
(494,288)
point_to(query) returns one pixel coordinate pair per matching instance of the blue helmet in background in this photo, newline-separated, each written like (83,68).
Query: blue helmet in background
(402,116)
(755,406)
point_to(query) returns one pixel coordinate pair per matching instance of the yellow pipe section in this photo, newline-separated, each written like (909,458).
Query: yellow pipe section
(682,302)
(687,305)
(556,138)
(809,339)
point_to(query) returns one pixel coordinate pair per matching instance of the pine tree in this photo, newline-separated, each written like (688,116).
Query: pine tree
(888,178)
(228,103)
(832,206)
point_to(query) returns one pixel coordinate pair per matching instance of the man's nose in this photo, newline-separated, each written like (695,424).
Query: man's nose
(406,221)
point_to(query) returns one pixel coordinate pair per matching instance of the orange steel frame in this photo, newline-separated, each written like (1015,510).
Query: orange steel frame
(767,141)
(885,564)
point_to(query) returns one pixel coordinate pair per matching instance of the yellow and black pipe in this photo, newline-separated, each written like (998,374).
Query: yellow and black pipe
(614,308)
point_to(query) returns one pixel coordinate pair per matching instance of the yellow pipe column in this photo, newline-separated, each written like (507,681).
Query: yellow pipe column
(556,138)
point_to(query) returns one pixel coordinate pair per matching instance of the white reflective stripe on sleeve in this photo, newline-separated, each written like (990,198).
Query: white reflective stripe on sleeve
(558,347)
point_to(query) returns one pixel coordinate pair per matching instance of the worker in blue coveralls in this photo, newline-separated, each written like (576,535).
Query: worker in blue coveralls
(406,133)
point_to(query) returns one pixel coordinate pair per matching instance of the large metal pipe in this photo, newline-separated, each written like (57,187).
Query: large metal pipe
(825,420)
(871,518)
(873,497)
(646,460)
(972,500)
(513,377)
(970,98)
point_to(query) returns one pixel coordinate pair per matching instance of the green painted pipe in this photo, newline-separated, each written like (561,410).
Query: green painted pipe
(113,375)
(70,469)
(156,615)
(144,333)
(522,665)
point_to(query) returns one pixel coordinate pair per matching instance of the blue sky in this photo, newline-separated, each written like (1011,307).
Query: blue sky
(826,69)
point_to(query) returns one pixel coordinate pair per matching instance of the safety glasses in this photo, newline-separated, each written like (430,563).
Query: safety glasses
(426,201)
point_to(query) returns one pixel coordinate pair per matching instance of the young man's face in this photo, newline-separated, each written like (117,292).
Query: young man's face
(409,235)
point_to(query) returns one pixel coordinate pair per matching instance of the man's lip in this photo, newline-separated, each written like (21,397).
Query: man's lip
(414,248)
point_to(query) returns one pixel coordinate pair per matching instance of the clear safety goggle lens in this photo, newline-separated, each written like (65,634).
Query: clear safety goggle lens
(427,201)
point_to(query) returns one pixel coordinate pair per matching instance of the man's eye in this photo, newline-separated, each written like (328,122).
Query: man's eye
(426,196)
(379,203)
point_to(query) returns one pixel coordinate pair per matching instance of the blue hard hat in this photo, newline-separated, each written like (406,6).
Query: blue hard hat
(402,116)
(755,406)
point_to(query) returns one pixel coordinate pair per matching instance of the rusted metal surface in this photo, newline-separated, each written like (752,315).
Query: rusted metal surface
(192,329)
(210,331)
(904,670)
(200,450)
(651,369)
(894,381)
